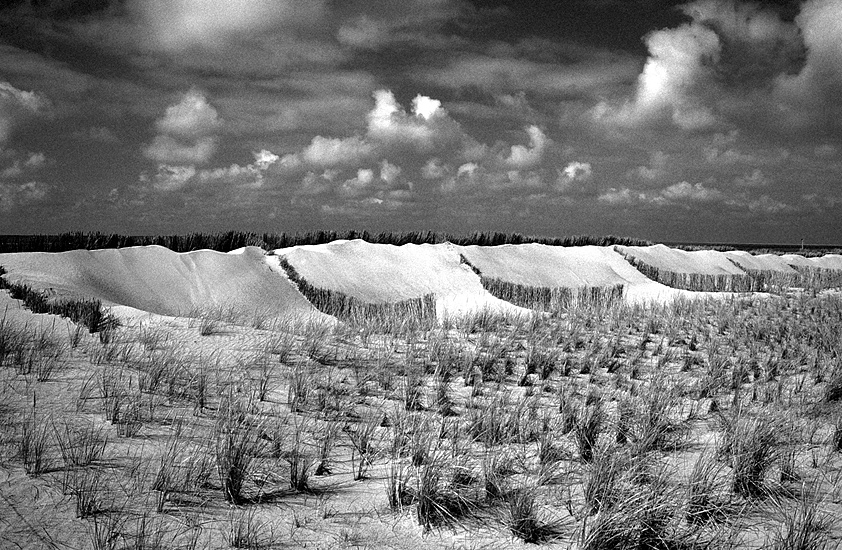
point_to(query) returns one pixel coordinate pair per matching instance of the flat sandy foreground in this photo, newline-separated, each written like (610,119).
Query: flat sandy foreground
(226,410)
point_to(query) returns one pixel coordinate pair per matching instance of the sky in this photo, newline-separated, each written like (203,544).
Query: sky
(701,121)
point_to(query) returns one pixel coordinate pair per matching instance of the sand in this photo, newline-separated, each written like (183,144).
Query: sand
(157,280)
(664,258)
(570,267)
(379,273)
(762,262)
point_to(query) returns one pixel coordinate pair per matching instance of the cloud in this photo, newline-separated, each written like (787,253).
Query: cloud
(574,173)
(170,178)
(656,169)
(29,163)
(179,25)
(521,157)
(679,60)
(176,177)
(687,192)
(812,95)
(738,63)
(186,132)
(14,196)
(15,105)
(190,118)
(167,149)
(756,178)
(328,152)
(690,195)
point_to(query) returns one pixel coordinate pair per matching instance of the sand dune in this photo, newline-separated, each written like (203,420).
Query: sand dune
(157,280)
(829,261)
(378,273)
(700,262)
(761,262)
(569,267)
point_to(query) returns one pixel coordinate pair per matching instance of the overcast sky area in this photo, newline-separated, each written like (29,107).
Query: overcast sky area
(708,121)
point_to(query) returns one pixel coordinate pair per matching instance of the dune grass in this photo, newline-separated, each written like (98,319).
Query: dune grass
(704,424)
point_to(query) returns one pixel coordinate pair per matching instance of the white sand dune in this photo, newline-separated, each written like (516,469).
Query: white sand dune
(701,262)
(157,280)
(570,267)
(828,261)
(380,273)
(553,267)
(762,262)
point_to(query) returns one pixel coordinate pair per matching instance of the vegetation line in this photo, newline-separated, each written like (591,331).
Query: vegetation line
(87,312)
(348,308)
(231,240)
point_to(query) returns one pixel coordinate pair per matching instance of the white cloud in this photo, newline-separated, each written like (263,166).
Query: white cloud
(359,184)
(521,157)
(263,159)
(190,118)
(621,196)
(389,173)
(685,191)
(426,107)
(186,132)
(679,59)
(171,178)
(176,177)
(327,152)
(574,172)
(820,79)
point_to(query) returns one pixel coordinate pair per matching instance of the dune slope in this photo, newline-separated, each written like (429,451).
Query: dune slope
(157,280)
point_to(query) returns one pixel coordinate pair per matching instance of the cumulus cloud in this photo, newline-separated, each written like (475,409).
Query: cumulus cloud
(521,156)
(186,132)
(739,62)
(679,60)
(191,117)
(820,79)
(575,173)
(327,152)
